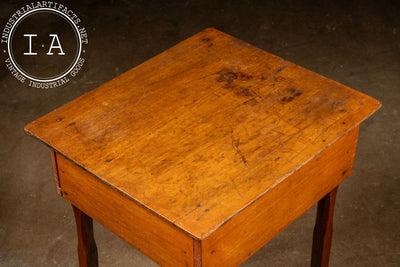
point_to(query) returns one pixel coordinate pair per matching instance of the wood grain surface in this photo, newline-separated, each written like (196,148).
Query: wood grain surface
(199,132)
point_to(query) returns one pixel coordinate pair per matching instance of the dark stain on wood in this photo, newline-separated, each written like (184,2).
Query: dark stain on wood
(228,76)
(231,77)
(293,93)
(287,99)
(251,102)
(243,91)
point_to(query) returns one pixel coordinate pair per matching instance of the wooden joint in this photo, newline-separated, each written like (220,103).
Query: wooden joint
(197,259)
(55,170)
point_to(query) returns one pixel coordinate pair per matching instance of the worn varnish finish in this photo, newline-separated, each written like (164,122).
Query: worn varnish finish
(199,139)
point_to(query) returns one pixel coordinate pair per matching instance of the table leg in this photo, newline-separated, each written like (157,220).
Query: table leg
(87,250)
(323,230)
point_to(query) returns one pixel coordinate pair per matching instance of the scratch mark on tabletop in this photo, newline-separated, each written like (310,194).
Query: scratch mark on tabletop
(235,146)
(142,97)
(280,69)
(235,187)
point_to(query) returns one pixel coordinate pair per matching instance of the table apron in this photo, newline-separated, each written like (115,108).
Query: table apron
(254,226)
(149,233)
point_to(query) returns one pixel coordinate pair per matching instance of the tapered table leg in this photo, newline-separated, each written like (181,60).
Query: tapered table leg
(87,250)
(322,238)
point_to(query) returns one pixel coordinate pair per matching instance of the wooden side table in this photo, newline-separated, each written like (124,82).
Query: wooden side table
(202,154)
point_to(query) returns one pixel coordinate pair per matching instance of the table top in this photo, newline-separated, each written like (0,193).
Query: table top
(202,130)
